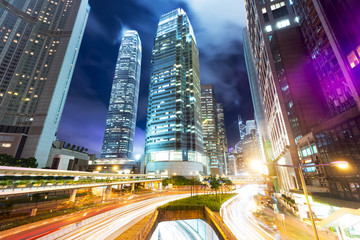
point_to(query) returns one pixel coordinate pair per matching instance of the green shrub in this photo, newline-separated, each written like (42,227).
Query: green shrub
(197,202)
(6,183)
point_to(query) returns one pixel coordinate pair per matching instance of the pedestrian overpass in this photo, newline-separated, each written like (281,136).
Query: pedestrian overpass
(246,179)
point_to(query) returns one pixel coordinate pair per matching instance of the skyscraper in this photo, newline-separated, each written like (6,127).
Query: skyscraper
(39,44)
(121,119)
(332,37)
(211,129)
(292,101)
(333,41)
(222,136)
(250,147)
(174,140)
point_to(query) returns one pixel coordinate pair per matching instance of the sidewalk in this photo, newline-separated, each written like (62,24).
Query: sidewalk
(293,228)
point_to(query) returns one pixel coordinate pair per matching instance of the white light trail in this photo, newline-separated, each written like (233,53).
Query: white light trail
(237,215)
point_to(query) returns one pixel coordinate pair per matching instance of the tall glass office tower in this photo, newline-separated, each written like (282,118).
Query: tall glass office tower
(174,140)
(121,118)
(39,45)
(210,126)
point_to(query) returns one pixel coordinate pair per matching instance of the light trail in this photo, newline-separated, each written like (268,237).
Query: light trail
(237,215)
(112,227)
(184,230)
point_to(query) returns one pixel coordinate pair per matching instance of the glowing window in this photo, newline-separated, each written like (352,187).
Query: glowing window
(283,23)
(268,28)
(358,50)
(277,5)
(6,145)
(352,59)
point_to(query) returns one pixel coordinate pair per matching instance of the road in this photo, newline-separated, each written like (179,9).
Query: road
(42,228)
(237,215)
(194,229)
(119,221)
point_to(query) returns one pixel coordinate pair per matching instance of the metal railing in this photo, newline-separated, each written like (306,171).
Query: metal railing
(226,231)
(144,231)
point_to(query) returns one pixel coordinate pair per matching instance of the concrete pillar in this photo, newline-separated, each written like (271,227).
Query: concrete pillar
(133,187)
(108,190)
(72,196)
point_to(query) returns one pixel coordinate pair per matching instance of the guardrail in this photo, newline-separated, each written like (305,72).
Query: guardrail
(220,224)
(145,230)
(207,215)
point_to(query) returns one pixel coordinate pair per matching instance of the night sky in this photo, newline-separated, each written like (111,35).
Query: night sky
(218,28)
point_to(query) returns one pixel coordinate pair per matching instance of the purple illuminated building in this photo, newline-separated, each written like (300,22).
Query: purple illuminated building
(292,102)
(332,37)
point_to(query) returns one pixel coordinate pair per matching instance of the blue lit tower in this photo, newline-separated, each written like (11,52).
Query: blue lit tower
(121,118)
(174,140)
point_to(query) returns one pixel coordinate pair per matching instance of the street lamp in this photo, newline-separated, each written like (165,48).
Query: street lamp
(98,168)
(115,168)
(339,164)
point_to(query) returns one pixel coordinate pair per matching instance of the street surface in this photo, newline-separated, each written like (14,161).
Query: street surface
(194,229)
(125,217)
(42,228)
(237,215)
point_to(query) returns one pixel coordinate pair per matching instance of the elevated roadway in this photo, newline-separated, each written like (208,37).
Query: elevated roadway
(94,179)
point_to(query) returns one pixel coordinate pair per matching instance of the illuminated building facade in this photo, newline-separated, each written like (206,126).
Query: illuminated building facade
(332,36)
(260,25)
(223,140)
(121,119)
(174,140)
(334,49)
(39,44)
(250,148)
(285,76)
(210,125)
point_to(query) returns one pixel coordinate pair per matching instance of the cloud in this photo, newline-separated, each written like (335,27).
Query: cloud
(94,27)
(218,29)
(217,22)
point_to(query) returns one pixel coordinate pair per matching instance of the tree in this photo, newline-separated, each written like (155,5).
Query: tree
(68,146)
(194,182)
(73,147)
(228,183)
(214,183)
(7,160)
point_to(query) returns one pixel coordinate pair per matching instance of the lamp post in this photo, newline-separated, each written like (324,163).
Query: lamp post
(339,164)
(308,202)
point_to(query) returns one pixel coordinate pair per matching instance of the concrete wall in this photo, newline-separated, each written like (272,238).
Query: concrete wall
(219,227)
